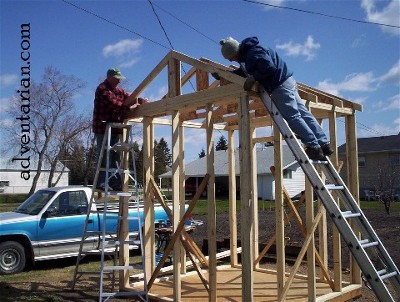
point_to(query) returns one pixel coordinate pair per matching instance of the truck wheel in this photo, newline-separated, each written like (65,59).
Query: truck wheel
(12,258)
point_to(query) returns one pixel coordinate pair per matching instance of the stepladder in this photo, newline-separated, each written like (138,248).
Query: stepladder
(116,203)
(376,265)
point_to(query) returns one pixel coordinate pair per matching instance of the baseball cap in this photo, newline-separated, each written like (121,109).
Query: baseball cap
(116,73)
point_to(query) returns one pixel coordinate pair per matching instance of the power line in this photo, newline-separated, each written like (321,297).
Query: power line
(187,24)
(113,23)
(321,14)
(166,35)
(159,21)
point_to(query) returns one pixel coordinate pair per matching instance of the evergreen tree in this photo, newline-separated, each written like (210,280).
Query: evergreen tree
(222,144)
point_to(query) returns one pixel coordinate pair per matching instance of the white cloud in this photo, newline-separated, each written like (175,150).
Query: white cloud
(123,47)
(362,81)
(124,51)
(394,103)
(387,15)
(393,75)
(352,82)
(159,93)
(8,79)
(272,2)
(307,49)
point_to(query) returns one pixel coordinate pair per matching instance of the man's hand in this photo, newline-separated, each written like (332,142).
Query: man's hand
(250,80)
(142,101)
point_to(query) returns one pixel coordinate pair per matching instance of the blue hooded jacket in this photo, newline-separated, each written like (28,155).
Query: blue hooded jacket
(264,64)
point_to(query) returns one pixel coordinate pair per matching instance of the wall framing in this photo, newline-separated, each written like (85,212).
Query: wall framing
(224,105)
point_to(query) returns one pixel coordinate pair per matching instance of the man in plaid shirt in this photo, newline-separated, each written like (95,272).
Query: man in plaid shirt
(110,103)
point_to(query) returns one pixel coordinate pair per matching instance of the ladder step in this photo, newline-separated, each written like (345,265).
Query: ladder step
(124,294)
(350,214)
(117,268)
(392,274)
(122,147)
(366,244)
(333,187)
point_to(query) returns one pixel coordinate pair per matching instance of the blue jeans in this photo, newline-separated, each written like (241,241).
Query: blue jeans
(115,181)
(300,120)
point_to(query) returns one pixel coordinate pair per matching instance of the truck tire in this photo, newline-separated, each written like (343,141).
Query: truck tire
(12,258)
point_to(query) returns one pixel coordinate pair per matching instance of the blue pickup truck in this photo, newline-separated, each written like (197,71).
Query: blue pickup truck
(49,225)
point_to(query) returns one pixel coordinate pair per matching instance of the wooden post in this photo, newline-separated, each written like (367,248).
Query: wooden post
(174,89)
(148,169)
(176,203)
(246,199)
(232,198)
(254,203)
(353,182)
(312,290)
(211,207)
(279,212)
(337,246)
(124,226)
(182,186)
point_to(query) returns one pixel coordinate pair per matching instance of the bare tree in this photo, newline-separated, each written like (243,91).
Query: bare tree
(53,120)
(386,182)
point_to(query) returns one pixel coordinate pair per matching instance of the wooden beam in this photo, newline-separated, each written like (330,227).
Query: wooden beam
(218,96)
(211,208)
(232,198)
(279,212)
(148,169)
(246,200)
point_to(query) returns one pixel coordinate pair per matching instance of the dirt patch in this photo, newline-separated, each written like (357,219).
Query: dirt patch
(386,226)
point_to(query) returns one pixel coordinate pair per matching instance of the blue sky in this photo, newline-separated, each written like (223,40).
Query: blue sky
(356,60)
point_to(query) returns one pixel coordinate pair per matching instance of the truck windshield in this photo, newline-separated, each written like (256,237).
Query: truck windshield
(35,203)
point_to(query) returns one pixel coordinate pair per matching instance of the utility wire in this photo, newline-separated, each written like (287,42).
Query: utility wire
(321,14)
(113,23)
(187,24)
(166,35)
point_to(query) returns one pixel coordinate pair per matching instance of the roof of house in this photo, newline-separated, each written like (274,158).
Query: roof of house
(376,144)
(265,159)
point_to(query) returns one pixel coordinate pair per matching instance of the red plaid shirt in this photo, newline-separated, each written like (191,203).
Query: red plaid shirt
(108,106)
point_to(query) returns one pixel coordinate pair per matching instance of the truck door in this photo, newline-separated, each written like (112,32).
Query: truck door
(61,227)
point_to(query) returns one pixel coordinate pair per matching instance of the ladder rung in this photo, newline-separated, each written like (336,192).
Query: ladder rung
(120,294)
(368,244)
(333,187)
(122,146)
(383,277)
(117,268)
(350,214)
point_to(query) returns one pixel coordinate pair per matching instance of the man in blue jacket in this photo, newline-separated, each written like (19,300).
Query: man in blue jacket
(265,66)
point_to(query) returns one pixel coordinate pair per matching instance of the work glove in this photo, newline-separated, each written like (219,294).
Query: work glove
(250,80)
(215,76)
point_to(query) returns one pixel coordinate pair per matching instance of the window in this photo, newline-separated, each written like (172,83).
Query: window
(361,161)
(395,160)
(69,203)
(287,174)
(4,183)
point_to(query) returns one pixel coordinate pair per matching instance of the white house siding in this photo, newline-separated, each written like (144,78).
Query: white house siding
(264,187)
(294,185)
(22,186)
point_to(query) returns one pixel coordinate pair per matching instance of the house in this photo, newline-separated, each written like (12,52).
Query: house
(14,179)
(378,164)
(293,176)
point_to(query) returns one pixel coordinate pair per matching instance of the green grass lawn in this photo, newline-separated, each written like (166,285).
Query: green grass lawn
(10,202)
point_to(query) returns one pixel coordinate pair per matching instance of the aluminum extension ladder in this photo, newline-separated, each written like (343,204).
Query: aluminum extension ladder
(108,243)
(369,244)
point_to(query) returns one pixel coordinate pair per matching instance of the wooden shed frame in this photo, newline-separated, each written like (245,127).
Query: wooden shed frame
(224,105)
